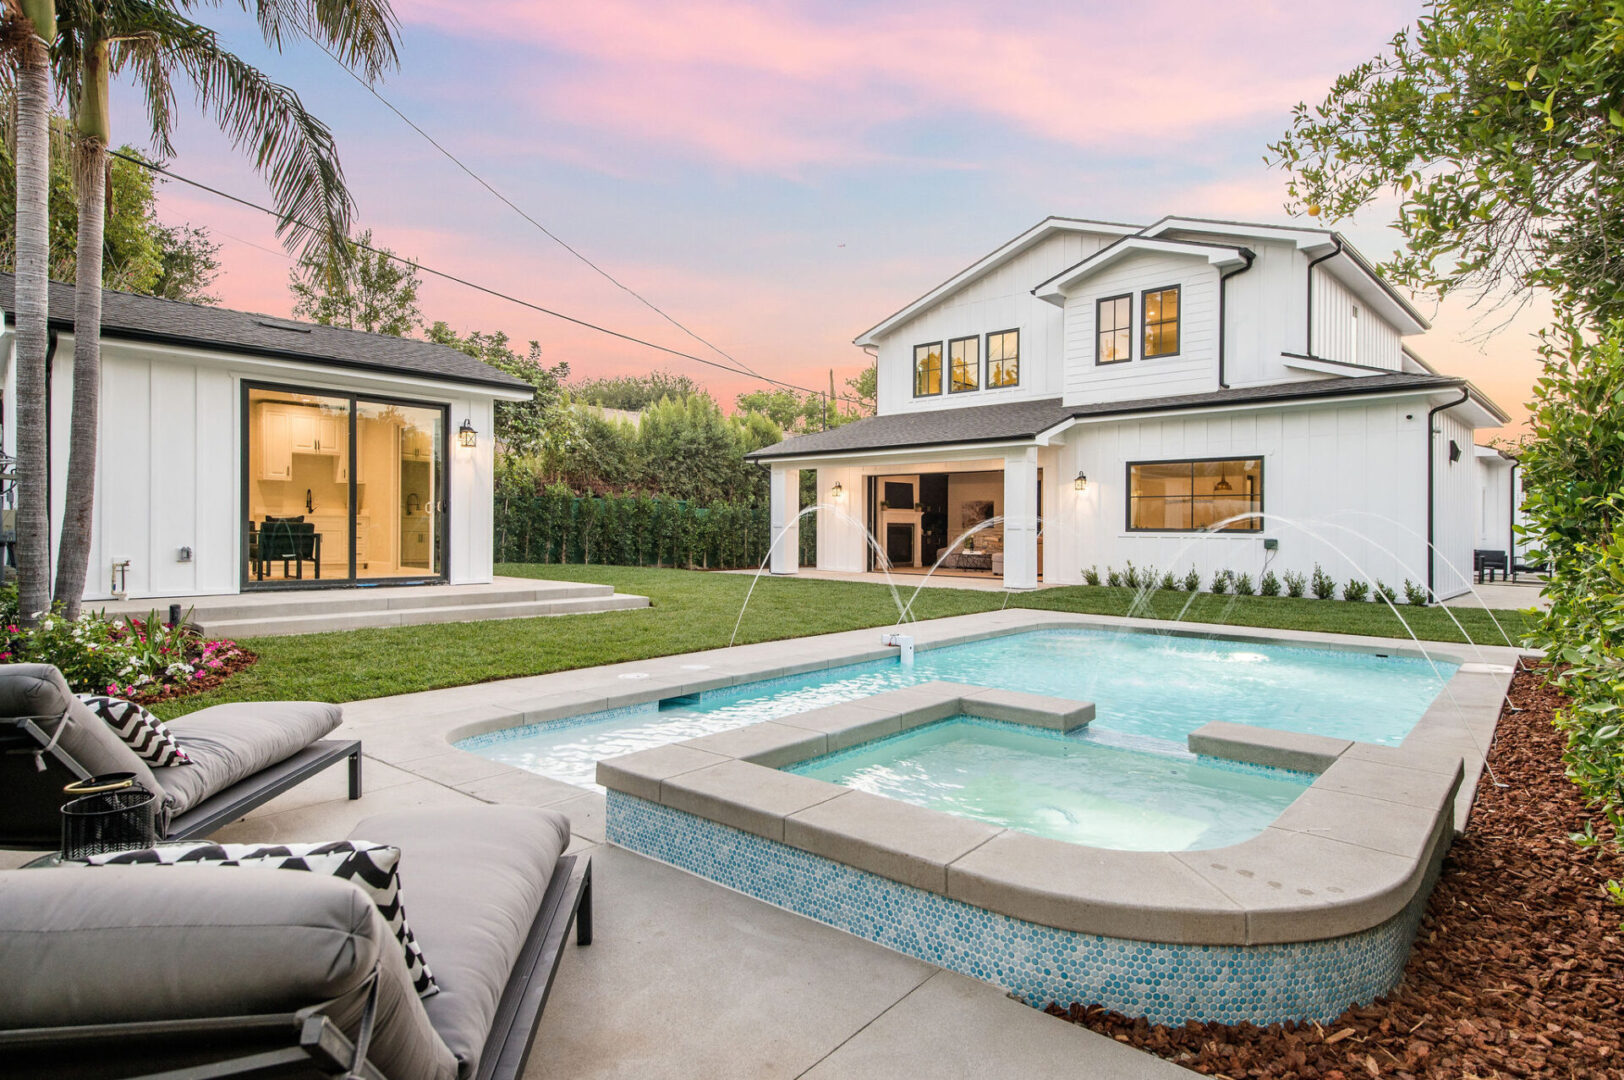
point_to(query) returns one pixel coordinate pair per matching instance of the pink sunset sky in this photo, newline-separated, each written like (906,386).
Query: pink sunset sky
(779,176)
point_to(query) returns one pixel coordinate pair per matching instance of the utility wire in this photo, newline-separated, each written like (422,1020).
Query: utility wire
(545,231)
(487,290)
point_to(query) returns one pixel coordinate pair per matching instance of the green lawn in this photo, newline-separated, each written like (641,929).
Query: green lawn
(693,610)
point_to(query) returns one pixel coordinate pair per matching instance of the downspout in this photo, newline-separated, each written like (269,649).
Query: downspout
(1308,346)
(1432,556)
(1223,308)
(50,356)
(1511,517)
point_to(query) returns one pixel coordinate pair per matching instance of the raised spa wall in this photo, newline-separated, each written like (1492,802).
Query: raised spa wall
(1313,914)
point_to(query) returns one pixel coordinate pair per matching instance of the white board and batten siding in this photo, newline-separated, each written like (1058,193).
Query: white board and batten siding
(1000,300)
(1347,331)
(169,463)
(1192,370)
(1340,485)
(1455,504)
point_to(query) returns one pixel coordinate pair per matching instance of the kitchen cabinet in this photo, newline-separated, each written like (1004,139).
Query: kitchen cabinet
(276,444)
(286,430)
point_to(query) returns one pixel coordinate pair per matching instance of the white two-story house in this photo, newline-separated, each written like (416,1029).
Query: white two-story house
(1191,393)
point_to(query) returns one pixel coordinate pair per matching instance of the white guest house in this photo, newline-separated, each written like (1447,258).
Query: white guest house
(1105,393)
(240,452)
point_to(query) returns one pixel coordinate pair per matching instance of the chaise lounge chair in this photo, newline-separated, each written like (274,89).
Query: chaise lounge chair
(142,971)
(242,755)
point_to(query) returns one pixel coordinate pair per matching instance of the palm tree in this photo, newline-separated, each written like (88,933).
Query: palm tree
(293,151)
(29,30)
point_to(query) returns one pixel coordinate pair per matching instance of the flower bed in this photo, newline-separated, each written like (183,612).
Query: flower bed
(142,660)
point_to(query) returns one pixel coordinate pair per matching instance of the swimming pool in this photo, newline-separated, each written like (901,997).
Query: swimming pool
(1074,787)
(1153,687)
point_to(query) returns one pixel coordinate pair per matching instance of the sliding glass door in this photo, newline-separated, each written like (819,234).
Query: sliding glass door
(341,489)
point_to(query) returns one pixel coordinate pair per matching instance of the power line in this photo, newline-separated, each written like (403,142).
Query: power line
(487,290)
(510,204)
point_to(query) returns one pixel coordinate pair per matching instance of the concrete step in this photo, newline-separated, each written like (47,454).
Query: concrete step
(352,619)
(212,610)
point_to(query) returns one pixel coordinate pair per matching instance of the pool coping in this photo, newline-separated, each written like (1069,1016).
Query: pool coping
(1346,856)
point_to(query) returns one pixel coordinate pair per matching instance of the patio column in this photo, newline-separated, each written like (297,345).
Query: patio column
(1021,518)
(785,498)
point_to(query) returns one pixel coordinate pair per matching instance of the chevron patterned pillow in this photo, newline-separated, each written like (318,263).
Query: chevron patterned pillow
(141,731)
(374,867)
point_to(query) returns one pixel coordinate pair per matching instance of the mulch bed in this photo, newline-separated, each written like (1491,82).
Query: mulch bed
(1518,969)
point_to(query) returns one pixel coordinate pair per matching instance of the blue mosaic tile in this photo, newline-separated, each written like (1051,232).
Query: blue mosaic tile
(1165,983)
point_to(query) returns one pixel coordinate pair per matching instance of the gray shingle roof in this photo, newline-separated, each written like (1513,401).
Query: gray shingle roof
(1016,420)
(146,318)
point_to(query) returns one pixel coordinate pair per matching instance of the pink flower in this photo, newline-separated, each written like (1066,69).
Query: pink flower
(215,664)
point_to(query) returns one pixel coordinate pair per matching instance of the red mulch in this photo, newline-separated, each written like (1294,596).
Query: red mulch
(240,659)
(1518,970)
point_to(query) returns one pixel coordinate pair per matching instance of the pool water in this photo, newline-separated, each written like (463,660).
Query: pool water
(1066,787)
(1150,686)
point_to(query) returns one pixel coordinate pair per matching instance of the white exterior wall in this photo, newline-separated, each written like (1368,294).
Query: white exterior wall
(1193,370)
(170,473)
(1494,503)
(1000,300)
(1374,344)
(1332,477)
(1455,497)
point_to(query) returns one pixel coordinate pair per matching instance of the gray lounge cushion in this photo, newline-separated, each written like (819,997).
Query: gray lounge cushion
(145,944)
(29,798)
(476,876)
(228,743)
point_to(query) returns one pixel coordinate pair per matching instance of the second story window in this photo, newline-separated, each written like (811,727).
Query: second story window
(1003,359)
(964,364)
(927,369)
(1162,321)
(1113,326)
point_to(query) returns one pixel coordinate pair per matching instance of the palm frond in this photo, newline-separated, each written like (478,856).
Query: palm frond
(292,150)
(361,33)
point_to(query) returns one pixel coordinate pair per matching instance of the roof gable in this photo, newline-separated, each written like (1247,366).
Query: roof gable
(974,272)
(1223,256)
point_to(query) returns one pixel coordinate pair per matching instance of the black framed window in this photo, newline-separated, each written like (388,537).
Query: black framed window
(1113,326)
(1187,496)
(964,364)
(928,369)
(1003,358)
(1160,315)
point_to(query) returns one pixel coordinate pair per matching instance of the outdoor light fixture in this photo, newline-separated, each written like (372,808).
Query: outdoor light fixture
(466,435)
(837,492)
(1081,483)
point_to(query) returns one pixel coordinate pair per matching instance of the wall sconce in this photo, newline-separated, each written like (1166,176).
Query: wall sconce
(466,435)
(1081,483)
(837,492)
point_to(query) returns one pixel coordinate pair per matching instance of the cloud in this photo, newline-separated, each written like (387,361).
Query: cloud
(781,86)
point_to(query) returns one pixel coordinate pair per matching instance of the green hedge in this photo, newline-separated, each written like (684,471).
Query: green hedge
(633,530)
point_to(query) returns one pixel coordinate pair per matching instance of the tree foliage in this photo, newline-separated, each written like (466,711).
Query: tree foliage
(1573,464)
(370,290)
(634,393)
(1499,127)
(141,253)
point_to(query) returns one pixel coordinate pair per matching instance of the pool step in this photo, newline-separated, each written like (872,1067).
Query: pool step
(263,625)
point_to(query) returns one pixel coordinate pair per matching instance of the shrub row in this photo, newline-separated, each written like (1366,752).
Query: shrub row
(557,526)
(1320,585)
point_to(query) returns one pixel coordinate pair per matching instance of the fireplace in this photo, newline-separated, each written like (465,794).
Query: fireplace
(899,544)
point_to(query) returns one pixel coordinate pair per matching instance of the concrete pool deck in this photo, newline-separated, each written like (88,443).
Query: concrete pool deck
(688,978)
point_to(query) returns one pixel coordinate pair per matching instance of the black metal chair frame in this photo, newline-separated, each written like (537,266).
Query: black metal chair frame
(214,812)
(307,1044)
(291,541)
